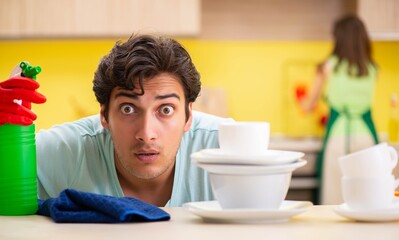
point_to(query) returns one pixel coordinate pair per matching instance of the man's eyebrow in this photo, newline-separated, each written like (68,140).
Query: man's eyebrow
(135,96)
(168,96)
(126,94)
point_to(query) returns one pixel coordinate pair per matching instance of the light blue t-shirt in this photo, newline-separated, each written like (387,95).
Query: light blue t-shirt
(80,155)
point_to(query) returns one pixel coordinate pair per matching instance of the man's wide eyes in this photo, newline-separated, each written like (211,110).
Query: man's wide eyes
(166,110)
(127,109)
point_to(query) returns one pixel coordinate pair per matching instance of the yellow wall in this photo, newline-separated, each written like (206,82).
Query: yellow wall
(258,77)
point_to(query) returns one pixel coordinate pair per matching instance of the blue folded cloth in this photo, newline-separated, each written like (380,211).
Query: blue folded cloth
(75,206)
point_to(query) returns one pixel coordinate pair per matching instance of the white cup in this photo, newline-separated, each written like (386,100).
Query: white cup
(264,191)
(374,161)
(369,193)
(244,138)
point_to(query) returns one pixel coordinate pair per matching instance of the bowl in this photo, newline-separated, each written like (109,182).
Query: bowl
(239,186)
(250,191)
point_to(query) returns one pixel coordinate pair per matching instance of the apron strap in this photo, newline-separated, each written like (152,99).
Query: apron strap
(370,125)
(331,120)
(319,162)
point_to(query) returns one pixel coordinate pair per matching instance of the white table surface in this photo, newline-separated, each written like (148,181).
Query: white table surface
(320,222)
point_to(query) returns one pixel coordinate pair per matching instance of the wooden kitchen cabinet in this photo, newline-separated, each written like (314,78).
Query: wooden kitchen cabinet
(381,18)
(97,18)
(277,20)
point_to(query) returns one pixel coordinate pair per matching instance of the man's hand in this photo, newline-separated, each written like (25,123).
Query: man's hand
(12,92)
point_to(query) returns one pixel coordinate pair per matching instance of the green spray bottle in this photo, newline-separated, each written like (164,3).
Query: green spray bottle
(18,173)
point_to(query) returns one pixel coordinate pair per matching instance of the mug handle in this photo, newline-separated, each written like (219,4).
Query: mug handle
(394,156)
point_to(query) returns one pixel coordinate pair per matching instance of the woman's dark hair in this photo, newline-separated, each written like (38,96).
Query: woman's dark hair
(352,43)
(142,57)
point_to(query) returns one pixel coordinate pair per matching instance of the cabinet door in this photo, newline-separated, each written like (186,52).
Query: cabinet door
(97,18)
(381,18)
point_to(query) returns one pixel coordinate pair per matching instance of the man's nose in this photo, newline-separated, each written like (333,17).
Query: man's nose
(147,129)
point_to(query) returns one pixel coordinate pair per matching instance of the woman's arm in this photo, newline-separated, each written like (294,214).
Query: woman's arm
(322,72)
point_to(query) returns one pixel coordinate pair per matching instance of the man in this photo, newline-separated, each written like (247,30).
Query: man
(140,143)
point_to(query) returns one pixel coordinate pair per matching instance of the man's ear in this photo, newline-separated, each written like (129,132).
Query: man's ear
(103,118)
(190,117)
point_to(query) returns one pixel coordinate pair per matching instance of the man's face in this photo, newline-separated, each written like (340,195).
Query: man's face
(147,130)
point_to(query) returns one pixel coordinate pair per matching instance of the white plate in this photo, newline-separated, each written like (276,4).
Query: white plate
(249,169)
(212,212)
(384,215)
(268,157)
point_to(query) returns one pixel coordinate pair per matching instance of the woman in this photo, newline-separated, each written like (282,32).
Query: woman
(348,76)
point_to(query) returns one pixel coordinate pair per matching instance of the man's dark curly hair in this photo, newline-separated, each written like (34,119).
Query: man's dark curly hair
(143,57)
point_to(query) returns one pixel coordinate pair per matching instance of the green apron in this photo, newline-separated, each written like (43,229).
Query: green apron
(349,98)
(334,114)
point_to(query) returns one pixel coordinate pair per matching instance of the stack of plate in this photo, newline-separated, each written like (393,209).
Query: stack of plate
(249,188)
(215,160)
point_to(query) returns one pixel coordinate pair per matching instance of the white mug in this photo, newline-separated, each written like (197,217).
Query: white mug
(369,193)
(374,161)
(244,138)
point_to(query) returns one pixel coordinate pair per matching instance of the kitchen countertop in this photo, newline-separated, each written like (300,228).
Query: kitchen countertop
(319,222)
(296,144)
(309,146)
